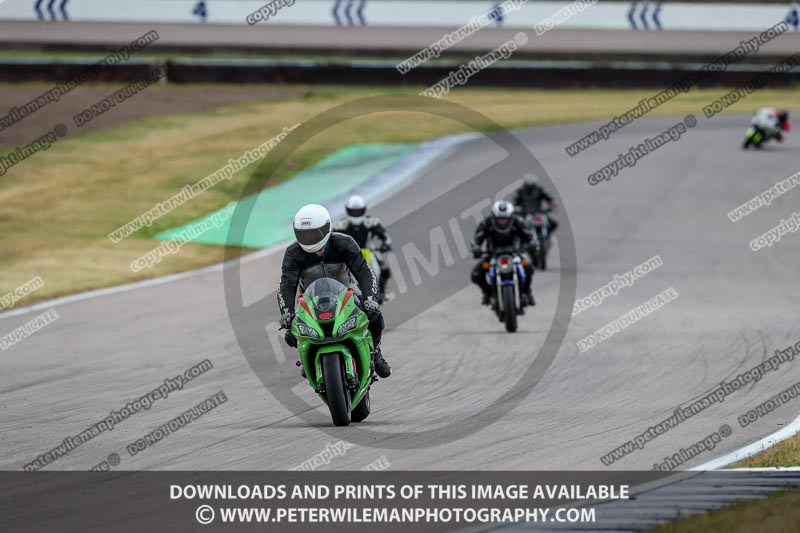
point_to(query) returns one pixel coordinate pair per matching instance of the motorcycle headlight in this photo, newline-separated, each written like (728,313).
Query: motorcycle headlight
(349,324)
(307,331)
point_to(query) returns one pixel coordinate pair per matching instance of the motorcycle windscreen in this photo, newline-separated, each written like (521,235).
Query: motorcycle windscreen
(324,293)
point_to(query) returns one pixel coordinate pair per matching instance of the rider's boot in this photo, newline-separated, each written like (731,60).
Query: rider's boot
(487,298)
(529,296)
(382,367)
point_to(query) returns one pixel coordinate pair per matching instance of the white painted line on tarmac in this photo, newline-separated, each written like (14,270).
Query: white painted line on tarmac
(419,160)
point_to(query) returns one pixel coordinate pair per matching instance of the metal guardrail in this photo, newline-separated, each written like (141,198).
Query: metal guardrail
(528,74)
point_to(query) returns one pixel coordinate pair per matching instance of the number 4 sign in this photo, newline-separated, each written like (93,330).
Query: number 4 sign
(793,18)
(200,10)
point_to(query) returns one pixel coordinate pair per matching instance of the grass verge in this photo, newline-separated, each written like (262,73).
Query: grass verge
(57,208)
(777,513)
(785,453)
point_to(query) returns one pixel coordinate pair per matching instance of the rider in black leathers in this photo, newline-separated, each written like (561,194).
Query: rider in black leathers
(366,229)
(531,197)
(501,229)
(332,255)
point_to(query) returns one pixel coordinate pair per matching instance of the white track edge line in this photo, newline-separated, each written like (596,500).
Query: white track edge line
(751,449)
(448,144)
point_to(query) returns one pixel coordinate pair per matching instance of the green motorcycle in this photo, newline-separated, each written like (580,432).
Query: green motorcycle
(335,349)
(754,136)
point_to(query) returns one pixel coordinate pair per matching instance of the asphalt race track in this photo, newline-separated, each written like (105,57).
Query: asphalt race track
(451,358)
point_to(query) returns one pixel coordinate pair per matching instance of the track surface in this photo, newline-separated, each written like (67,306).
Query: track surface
(735,308)
(369,39)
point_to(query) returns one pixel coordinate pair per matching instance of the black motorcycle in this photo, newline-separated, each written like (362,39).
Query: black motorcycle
(540,222)
(505,274)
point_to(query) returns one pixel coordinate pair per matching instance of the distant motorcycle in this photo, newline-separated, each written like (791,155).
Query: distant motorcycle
(506,277)
(372,259)
(540,222)
(757,136)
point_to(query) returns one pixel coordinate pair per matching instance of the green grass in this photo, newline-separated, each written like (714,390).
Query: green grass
(57,208)
(777,513)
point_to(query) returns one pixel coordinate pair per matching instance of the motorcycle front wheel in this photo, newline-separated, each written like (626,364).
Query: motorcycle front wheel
(335,389)
(510,308)
(362,410)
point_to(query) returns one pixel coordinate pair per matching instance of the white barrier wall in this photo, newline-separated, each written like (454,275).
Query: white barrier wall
(603,15)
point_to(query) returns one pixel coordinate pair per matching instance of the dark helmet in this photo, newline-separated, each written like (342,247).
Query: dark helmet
(783,115)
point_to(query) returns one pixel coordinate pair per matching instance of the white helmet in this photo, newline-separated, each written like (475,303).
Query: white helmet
(312,227)
(502,213)
(356,209)
(530,180)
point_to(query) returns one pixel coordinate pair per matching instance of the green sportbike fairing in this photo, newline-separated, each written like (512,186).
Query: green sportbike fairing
(754,136)
(335,349)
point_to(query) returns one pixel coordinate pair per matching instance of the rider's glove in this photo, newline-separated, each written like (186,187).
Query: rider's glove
(286,320)
(290,339)
(371,306)
(386,248)
(477,253)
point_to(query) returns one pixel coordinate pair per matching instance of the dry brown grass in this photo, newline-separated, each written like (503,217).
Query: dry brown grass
(778,513)
(57,208)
